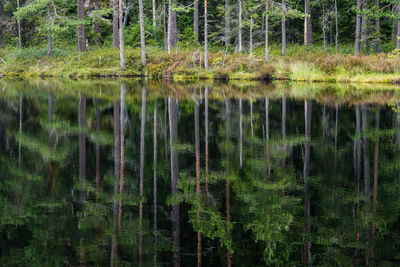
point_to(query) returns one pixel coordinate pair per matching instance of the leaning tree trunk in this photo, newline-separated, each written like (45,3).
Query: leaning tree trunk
(96,25)
(240,26)
(283,28)
(377,31)
(196,20)
(227,25)
(121,35)
(336,28)
(307,24)
(115,22)
(19,28)
(142,38)
(81,27)
(49,36)
(357,48)
(266,30)
(205,36)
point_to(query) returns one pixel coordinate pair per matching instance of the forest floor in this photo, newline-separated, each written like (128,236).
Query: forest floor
(311,65)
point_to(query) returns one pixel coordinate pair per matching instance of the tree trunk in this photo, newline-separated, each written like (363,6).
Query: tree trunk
(142,38)
(96,25)
(154,13)
(240,26)
(196,20)
(172,30)
(283,28)
(205,35)
(121,35)
(81,27)
(251,35)
(336,28)
(357,48)
(19,28)
(165,28)
(115,23)
(49,37)
(227,25)
(324,27)
(307,24)
(364,24)
(398,29)
(377,31)
(266,30)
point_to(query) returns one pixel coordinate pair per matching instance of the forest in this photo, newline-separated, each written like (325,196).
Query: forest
(311,40)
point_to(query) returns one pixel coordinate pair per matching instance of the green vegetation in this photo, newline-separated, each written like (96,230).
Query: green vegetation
(301,64)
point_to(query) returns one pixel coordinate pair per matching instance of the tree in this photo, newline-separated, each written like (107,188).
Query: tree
(307,24)
(81,28)
(121,36)
(196,20)
(142,38)
(358,28)
(240,25)
(115,22)
(172,27)
(266,30)
(96,25)
(205,35)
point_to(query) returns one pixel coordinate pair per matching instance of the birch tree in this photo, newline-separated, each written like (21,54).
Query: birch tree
(121,35)
(205,35)
(142,38)
(81,28)
(357,48)
(115,22)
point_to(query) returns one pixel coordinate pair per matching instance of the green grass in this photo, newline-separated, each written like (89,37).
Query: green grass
(301,64)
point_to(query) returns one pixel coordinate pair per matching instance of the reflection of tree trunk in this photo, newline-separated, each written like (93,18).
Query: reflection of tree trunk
(336,138)
(82,145)
(96,101)
(227,187)
(306,173)
(206,137)
(357,153)
(198,191)
(284,139)
(117,155)
(155,186)
(142,131)
(267,137)
(240,133)
(20,129)
(173,124)
(376,166)
(122,144)
(367,174)
(251,118)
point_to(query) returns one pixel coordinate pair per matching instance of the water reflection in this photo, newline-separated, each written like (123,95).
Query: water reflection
(127,173)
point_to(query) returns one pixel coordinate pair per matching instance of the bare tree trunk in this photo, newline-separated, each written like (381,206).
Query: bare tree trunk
(142,38)
(96,25)
(121,35)
(115,5)
(336,28)
(196,20)
(81,27)
(251,35)
(364,24)
(324,27)
(283,28)
(307,24)
(357,48)
(154,13)
(205,35)
(377,31)
(165,28)
(19,28)
(240,25)
(172,30)
(227,24)
(266,30)
(49,37)
(398,28)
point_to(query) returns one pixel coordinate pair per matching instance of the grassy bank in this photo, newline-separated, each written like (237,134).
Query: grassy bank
(301,64)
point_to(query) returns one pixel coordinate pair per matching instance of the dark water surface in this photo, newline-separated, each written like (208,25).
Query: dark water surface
(123,174)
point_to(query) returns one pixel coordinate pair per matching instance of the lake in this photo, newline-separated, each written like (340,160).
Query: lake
(127,173)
